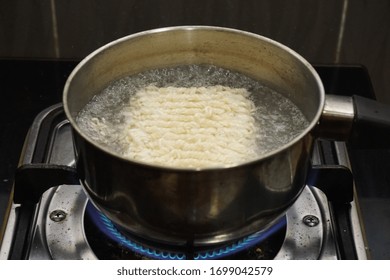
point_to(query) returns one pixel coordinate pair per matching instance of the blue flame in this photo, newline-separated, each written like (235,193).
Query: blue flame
(114,234)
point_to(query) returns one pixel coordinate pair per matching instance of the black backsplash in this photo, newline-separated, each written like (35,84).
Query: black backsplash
(330,31)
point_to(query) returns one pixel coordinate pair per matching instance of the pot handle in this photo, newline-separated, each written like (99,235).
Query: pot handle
(362,122)
(371,126)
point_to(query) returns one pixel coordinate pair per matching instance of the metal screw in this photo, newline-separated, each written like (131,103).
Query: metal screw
(57,215)
(311,220)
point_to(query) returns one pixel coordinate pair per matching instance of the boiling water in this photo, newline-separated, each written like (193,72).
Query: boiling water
(279,120)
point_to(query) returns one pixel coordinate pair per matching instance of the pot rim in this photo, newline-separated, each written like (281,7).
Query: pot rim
(313,123)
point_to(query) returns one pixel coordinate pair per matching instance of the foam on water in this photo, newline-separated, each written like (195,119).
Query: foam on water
(279,120)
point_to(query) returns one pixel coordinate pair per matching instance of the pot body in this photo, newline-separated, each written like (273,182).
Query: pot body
(197,206)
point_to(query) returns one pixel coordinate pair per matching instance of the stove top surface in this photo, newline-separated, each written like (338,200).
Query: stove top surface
(31,86)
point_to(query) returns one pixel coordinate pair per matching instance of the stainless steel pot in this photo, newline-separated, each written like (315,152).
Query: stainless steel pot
(206,206)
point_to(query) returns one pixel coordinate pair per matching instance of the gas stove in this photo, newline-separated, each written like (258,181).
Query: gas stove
(52,218)
(49,217)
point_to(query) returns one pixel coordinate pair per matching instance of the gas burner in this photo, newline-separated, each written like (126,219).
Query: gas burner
(63,231)
(152,250)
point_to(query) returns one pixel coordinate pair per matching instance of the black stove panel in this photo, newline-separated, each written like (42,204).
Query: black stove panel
(31,86)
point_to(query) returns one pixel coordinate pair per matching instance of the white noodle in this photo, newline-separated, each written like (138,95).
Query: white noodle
(192,127)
